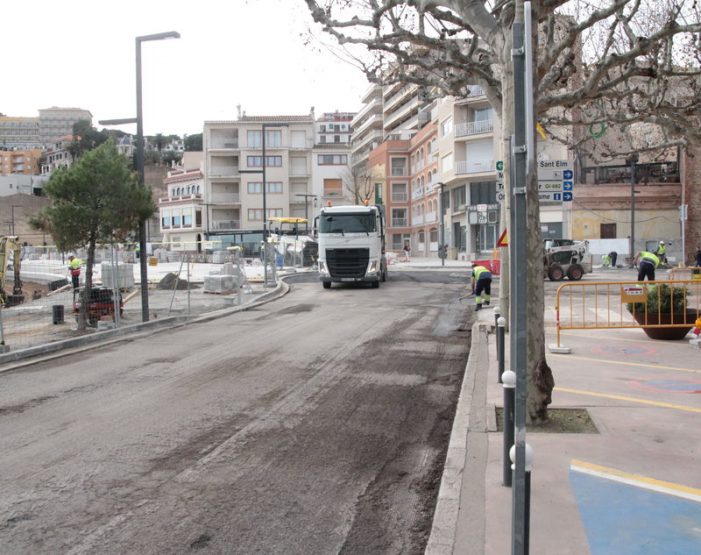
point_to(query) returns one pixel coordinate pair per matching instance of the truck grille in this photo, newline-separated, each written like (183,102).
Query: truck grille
(347,263)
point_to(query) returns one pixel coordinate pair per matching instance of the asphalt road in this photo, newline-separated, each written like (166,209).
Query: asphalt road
(316,423)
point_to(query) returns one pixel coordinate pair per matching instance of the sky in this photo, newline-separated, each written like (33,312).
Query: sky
(252,53)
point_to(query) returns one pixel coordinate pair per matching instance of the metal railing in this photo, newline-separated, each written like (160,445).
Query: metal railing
(627,304)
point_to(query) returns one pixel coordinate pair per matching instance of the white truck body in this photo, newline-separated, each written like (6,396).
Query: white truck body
(352,245)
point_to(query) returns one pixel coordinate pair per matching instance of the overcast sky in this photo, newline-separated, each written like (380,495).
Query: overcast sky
(80,53)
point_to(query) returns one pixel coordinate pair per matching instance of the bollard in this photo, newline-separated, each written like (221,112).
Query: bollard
(497,312)
(501,331)
(527,494)
(509,380)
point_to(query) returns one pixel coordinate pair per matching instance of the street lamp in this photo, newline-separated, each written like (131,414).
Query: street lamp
(306,206)
(139,120)
(632,160)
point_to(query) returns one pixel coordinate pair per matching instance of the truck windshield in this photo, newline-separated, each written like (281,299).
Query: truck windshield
(347,223)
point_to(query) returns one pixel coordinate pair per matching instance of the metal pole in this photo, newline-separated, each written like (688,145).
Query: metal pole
(442,244)
(633,159)
(265,216)
(509,384)
(501,338)
(496,331)
(519,329)
(143,268)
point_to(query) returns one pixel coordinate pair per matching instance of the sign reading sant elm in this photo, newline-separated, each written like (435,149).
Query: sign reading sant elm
(555,180)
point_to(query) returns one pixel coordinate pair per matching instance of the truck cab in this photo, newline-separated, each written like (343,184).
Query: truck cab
(351,245)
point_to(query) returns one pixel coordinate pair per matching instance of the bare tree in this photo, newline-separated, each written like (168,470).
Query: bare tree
(613,62)
(359,183)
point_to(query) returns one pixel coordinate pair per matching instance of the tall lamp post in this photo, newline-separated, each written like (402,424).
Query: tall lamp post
(139,121)
(632,160)
(306,196)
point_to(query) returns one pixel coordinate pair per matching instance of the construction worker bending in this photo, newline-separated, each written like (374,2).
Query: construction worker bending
(481,283)
(647,262)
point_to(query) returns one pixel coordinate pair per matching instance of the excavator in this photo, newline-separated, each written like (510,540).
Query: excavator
(10,247)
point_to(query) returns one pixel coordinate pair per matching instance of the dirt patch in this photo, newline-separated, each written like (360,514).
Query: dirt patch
(560,421)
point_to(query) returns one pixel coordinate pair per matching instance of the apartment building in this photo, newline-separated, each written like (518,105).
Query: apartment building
(236,166)
(367,128)
(20,161)
(19,133)
(334,128)
(57,122)
(182,211)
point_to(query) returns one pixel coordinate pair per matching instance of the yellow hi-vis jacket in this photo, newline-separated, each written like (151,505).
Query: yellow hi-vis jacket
(649,257)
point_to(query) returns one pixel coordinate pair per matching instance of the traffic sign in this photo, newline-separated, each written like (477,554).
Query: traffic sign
(550,185)
(567,196)
(503,240)
(552,196)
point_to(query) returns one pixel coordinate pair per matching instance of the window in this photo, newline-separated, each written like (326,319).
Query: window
(336,138)
(273,138)
(399,217)
(187,219)
(198,218)
(459,198)
(333,159)
(483,114)
(255,214)
(333,188)
(483,192)
(322,139)
(165,219)
(256,187)
(399,193)
(399,166)
(257,161)
(254,139)
(608,231)
(176,218)
(447,127)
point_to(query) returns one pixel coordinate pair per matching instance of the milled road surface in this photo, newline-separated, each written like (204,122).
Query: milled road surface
(316,423)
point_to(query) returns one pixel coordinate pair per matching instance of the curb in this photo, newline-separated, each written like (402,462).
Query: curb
(444,529)
(128,332)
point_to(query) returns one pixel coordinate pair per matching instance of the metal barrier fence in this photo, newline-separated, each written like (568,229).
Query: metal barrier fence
(690,272)
(178,284)
(628,304)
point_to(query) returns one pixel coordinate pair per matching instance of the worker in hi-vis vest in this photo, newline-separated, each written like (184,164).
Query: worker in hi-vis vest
(481,283)
(74,264)
(647,262)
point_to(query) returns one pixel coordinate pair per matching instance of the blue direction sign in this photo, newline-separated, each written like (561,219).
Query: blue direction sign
(568,174)
(567,185)
(567,196)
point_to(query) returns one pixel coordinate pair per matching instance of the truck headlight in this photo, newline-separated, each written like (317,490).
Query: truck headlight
(323,269)
(372,267)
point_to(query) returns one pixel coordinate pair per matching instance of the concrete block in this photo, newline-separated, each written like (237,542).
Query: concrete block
(120,276)
(218,284)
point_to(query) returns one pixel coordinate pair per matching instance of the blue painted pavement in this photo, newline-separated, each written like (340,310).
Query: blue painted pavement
(621,519)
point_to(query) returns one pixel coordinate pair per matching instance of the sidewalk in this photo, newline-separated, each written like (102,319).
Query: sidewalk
(632,487)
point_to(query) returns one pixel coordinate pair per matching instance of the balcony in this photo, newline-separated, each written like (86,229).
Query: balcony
(226,198)
(431,217)
(399,197)
(466,129)
(417,193)
(223,144)
(164,200)
(400,222)
(224,173)
(474,166)
(225,225)
(417,220)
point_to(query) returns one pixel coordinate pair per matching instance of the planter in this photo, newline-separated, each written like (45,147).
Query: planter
(666,333)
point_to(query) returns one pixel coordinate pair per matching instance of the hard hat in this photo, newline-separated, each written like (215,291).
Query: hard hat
(661,242)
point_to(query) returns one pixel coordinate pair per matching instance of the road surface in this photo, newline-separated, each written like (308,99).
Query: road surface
(316,423)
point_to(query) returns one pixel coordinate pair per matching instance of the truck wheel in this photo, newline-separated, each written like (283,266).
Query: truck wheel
(326,284)
(556,273)
(575,272)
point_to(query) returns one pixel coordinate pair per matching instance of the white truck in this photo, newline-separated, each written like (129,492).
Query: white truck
(351,245)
